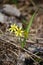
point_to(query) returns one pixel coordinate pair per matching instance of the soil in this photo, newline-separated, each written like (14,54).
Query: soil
(11,52)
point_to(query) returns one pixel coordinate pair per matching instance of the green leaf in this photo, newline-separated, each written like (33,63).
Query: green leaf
(30,22)
(27,30)
(15,1)
(23,21)
(23,43)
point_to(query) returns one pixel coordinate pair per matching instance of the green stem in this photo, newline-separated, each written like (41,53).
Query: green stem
(23,43)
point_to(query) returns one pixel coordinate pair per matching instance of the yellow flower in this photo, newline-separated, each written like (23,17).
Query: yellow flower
(25,34)
(13,28)
(19,32)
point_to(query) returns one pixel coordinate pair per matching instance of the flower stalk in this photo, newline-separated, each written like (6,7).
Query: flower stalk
(20,32)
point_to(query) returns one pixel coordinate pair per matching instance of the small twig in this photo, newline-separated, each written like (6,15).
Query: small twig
(32,54)
(13,52)
(20,48)
(32,2)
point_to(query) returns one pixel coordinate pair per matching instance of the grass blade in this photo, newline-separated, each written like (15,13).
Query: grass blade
(30,22)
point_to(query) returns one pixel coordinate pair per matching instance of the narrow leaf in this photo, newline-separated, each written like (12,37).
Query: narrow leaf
(30,22)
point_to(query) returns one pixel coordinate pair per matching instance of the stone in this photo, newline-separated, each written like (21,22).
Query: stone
(31,49)
(21,59)
(3,18)
(11,10)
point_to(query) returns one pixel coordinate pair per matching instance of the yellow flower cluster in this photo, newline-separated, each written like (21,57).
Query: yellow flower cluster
(18,31)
